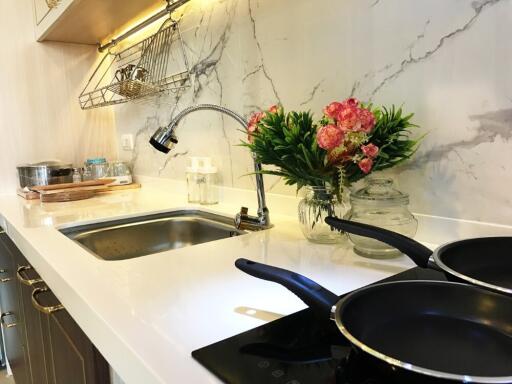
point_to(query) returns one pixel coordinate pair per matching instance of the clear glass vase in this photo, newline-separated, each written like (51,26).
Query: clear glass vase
(317,204)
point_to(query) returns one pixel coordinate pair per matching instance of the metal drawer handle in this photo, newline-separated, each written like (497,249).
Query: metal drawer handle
(41,308)
(28,282)
(4,323)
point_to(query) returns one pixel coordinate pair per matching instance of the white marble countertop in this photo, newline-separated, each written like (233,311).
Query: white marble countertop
(146,315)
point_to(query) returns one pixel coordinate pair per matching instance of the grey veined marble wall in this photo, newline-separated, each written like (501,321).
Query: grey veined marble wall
(449,61)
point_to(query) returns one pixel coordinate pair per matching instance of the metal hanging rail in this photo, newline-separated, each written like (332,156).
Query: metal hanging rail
(170,7)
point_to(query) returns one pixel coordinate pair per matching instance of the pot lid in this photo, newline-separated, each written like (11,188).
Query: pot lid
(46,164)
(379,190)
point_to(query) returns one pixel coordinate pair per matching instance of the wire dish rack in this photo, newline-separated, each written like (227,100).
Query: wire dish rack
(155,64)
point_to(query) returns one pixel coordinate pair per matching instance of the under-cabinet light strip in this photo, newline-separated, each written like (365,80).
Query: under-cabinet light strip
(171,7)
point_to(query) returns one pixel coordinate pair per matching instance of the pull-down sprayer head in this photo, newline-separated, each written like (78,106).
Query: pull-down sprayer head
(164,138)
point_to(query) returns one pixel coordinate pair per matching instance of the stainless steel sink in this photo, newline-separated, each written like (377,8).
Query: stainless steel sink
(135,237)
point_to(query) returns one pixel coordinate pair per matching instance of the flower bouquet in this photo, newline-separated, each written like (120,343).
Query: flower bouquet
(349,142)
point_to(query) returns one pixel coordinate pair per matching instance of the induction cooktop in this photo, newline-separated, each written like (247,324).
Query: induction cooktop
(297,349)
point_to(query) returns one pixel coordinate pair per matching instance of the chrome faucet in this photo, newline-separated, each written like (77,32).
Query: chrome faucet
(164,139)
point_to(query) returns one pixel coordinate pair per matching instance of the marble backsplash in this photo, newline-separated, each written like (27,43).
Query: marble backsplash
(447,61)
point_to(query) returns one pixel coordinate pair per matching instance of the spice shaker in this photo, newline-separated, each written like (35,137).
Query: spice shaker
(77,176)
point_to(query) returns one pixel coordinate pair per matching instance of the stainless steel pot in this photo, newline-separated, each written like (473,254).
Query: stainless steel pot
(44,173)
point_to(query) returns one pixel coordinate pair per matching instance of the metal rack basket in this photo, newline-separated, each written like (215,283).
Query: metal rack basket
(155,64)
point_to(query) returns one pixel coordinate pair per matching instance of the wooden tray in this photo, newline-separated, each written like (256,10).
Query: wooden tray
(67,195)
(76,193)
(88,183)
(113,188)
(76,189)
(27,195)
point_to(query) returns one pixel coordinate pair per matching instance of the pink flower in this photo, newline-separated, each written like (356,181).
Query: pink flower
(367,120)
(370,150)
(351,102)
(333,109)
(252,126)
(348,119)
(273,109)
(366,165)
(329,137)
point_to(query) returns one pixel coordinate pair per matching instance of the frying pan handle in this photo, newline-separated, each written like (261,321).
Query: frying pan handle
(311,293)
(417,252)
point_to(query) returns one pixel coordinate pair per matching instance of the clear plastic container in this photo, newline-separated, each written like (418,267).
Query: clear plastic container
(381,205)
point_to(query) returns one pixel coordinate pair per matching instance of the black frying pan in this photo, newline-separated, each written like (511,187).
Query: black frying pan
(442,330)
(485,261)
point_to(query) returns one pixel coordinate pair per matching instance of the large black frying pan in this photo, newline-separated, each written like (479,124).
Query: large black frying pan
(431,329)
(485,261)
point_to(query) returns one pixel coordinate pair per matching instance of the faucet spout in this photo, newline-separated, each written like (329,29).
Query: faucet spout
(164,139)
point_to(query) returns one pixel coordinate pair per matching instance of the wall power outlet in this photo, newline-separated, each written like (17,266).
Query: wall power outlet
(127,142)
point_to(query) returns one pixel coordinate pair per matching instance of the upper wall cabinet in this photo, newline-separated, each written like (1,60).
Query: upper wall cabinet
(88,21)
(42,9)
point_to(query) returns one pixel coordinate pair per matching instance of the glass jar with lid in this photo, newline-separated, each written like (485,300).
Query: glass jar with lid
(98,167)
(381,205)
(120,172)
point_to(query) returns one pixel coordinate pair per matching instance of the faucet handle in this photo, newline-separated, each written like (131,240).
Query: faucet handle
(244,221)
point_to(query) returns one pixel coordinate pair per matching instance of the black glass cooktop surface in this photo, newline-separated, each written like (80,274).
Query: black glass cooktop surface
(297,349)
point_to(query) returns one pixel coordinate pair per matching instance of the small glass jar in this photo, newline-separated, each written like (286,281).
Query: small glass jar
(381,205)
(317,204)
(120,172)
(119,168)
(98,167)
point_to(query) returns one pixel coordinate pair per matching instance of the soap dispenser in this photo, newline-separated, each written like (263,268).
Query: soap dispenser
(194,180)
(208,186)
(202,181)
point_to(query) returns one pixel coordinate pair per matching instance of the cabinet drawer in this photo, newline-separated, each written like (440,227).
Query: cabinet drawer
(12,320)
(15,348)
(75,359)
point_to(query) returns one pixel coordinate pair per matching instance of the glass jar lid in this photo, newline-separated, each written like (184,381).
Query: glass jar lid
(379,191)
(96,160)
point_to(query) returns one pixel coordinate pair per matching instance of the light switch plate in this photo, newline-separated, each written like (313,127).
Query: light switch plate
(127,142)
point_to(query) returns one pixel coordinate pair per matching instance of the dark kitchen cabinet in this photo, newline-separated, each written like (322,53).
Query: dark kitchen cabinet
(49,347)
(11,318)
(26,278)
